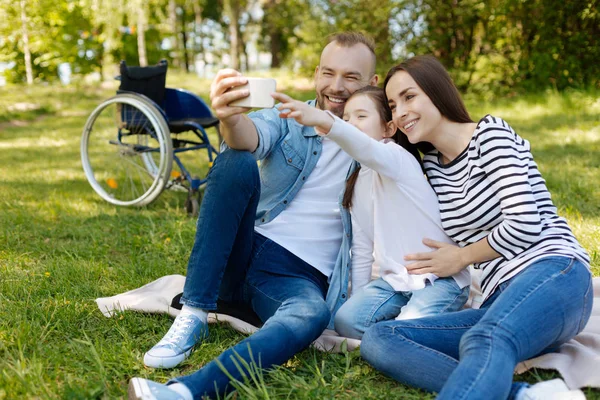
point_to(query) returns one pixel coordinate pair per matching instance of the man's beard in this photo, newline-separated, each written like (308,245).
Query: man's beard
(337,111)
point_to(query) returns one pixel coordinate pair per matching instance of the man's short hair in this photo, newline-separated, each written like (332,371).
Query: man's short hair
(349,39)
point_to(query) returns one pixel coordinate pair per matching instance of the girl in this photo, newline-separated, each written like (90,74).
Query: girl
(535,278)
(392,208)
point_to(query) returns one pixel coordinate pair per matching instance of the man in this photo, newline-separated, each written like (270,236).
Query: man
(272,239)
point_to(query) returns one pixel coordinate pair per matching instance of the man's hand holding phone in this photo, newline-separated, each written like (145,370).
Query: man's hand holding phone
(221,96)
(260,90)
(232,95)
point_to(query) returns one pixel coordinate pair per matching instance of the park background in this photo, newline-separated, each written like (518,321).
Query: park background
(534,63)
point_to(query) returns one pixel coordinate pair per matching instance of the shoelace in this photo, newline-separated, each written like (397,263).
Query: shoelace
(179,330)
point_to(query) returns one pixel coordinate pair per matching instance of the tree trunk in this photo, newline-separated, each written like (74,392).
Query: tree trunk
(198,26)
(232,8)
(186,60)
(141,38)
(276,44)
(173,28)
(26,51)
(242,50)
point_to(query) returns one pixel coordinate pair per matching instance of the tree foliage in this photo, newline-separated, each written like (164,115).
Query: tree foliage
(486,44)
(507,43)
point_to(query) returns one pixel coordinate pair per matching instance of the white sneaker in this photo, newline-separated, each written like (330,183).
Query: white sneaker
(555,389)
(177,344)
(145,389)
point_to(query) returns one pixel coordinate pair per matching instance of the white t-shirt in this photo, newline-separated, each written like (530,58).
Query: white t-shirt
(311,227)
(393,209)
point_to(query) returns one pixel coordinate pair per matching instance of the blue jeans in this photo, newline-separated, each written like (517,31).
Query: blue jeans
(378,301)
(230,261)
(472,354)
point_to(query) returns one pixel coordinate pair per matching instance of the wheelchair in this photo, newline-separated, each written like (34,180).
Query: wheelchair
(130,141)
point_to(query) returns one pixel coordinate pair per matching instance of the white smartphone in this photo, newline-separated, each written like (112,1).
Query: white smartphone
(260,93)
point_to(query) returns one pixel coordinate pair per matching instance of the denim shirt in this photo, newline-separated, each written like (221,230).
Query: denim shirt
(288,152)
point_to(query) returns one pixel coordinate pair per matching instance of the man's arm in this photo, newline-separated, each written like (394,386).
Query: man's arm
(241,135)
(238,131)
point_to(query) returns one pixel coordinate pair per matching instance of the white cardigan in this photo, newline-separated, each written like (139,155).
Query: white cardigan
(393,209)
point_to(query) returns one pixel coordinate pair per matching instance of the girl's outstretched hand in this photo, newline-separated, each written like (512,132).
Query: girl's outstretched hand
(444,260)
(303,113)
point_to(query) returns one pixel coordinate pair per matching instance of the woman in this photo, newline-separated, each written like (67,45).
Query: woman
(535,278)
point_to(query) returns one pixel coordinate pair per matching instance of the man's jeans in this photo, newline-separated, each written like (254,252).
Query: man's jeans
(229,261)
(539,309)
(378,301)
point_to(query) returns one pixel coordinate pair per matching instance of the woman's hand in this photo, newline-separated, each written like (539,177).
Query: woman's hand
(303,113)
(445,259)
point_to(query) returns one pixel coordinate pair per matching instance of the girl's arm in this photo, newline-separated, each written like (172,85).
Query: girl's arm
(387,160)
(362,258)
(303,113)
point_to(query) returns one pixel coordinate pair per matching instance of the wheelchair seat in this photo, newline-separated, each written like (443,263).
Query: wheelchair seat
(182,125)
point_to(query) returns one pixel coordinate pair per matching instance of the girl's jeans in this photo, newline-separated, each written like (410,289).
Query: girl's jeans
(229,261)
(539,309)
(378,301)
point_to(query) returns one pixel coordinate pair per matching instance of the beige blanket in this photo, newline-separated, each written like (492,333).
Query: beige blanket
(578,361)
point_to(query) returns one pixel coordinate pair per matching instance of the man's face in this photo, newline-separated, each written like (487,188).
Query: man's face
(341,72)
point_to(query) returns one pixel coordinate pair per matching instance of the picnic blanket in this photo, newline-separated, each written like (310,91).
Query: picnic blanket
(578,361)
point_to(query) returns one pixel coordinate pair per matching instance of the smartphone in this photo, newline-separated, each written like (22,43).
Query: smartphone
(260,93)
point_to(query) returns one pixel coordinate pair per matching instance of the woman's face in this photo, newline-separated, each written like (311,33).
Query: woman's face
(361,112)
(412,110)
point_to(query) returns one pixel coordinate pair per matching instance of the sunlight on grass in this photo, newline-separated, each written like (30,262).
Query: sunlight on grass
(62,246)
(40,142)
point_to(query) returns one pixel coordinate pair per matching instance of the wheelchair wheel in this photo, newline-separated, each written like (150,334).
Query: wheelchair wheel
(126,151)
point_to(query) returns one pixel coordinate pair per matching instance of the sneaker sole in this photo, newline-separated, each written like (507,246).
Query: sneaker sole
(135,391)
(165,362)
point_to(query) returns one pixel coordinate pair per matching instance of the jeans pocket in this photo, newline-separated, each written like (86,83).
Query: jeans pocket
(569,266)
(588,301)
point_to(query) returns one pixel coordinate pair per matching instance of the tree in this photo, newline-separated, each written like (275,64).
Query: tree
(141,11)
(324,17)
(278,25)
(232,11)
(26,51)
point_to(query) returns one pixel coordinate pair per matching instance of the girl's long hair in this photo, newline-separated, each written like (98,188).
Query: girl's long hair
(434,80)
(377,96)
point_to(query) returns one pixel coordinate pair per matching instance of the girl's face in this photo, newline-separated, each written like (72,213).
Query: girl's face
(412,110)
(361,112)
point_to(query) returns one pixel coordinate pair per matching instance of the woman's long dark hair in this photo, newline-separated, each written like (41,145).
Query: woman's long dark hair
(434,80)
(377,96)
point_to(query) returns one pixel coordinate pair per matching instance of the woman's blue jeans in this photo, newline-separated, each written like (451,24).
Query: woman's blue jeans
(472,354)
(229,261)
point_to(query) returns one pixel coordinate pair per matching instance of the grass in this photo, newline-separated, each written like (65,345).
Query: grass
(61,247)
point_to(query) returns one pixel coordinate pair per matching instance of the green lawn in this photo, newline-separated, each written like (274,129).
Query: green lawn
(61,247)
